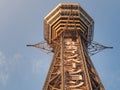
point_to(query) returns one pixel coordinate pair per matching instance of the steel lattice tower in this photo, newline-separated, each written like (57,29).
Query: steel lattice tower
(68,30)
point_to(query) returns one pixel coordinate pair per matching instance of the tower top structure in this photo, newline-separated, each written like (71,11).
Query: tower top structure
(67,16)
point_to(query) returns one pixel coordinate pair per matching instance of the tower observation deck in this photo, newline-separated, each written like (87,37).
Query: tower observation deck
(68,30)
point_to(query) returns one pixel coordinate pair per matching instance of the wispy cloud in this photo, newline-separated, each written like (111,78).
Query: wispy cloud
(36,66)
(6,66)
(40,66)
(4,74)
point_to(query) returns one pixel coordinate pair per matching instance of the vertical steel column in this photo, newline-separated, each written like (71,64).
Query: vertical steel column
(62,62)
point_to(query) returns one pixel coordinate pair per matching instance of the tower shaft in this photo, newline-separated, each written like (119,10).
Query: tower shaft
(68,29)
(71,67)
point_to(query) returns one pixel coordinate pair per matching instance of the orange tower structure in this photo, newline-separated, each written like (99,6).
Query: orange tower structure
(68,30)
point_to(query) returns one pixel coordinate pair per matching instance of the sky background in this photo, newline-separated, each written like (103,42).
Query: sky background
(21,23)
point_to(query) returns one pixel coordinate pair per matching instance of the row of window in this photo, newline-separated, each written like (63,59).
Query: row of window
(70,7)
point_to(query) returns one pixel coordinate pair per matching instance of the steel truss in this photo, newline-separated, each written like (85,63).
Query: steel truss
(93,47)
(71,67)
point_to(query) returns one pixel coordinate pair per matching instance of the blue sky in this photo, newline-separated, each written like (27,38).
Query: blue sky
(21,23)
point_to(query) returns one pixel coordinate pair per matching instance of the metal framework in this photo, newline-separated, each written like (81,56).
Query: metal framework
(93,48)
(69,35)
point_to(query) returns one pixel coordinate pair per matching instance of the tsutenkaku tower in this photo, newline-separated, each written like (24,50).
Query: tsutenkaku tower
(68,30)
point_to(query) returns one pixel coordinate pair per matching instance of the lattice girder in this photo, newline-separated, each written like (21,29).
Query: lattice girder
(71,67)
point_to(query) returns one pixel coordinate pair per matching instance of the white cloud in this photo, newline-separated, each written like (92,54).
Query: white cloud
(40,66)
(36,66)
(3,69)
(3,78)
(16,58)
(6,66)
